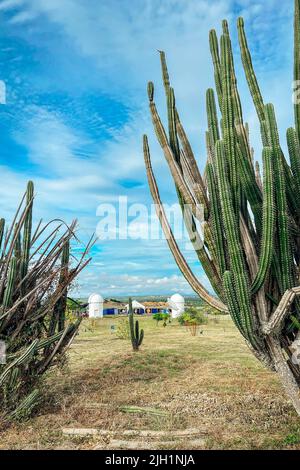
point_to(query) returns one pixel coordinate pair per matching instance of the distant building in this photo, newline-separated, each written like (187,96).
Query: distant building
(95,306)
(177,304)
(156,307)
(113,307)
(98,307)
(138,308)
(149,308)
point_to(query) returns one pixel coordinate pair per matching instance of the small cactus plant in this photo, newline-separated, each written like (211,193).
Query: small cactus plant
(135,334)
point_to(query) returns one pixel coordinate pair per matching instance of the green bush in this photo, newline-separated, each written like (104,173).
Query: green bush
(165,317)
(192,316)
(123,330)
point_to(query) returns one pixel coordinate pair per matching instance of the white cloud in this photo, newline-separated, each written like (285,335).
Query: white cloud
(11,4)
(22,17)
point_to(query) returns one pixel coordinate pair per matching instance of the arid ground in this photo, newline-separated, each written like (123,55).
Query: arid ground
(205,392)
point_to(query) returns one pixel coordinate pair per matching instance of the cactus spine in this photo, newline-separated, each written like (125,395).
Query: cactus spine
(251,250)
(136,335)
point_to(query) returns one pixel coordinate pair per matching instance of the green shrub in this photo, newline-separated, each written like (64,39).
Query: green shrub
(165,317)
(192,316)
(123,330)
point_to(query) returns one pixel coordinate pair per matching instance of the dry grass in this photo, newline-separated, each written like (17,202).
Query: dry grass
(210,382)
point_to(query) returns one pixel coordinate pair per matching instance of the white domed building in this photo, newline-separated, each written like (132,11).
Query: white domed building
(176,302)
(95,306)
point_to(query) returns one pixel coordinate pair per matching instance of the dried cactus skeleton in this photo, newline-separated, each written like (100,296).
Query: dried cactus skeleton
(251,248)
(35,274)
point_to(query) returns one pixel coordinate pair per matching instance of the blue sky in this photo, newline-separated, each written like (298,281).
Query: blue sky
(76,73)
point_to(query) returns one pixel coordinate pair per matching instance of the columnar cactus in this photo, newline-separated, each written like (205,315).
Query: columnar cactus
(35,275)
(251,246)
(135,334)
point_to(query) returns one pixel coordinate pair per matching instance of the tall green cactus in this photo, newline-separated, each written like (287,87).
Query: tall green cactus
(135,334)
(8,293)
(251,225)
(27,230)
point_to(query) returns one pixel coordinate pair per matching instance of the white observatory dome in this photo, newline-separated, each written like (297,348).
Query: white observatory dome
(176,303)
(177,298)
(96,306)
(95,298)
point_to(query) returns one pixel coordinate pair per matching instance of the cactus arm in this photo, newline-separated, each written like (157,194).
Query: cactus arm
(234,245)
(173,138)
(179,258)
(209,149)
(290,187)
(212,118)
(63,280)
(214,49)
(141,337)
(208,264)
(249,72)
(131,324)
(198,180)
(59,310)
(232,301)
(17,247)
(27,230)
(217,226)
(294,152)
(297,66)
(210,243)
(194,187)
(165,73)
(257,176)
(176,127)
(137,332)
(8,293)
(4,266)
(243,142)
(173,165)
(281,202)
(238,113)
(27,405)
(21,360)
(249,248)
(267,244)
(250,188)
(228,118)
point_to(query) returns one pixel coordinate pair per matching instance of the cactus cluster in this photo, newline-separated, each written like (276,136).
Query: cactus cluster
(136,335)
(251,223)
(35,275)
